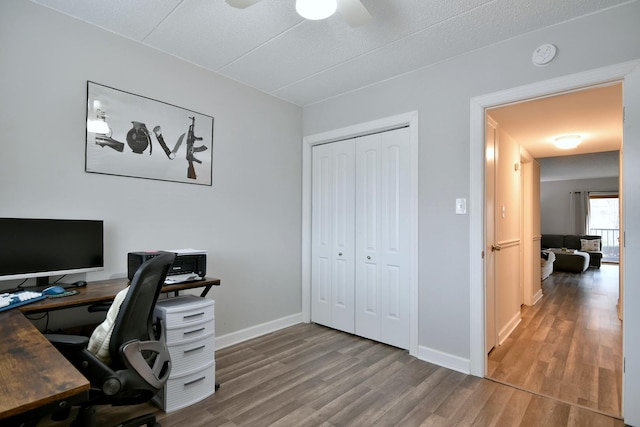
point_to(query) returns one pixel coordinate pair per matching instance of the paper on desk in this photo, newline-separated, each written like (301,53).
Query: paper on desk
(188,251)
(181,278)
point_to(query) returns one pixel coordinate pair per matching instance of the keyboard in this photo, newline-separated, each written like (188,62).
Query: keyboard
(16,299)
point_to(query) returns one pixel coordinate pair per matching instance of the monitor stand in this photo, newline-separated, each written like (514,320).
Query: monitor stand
(42,282)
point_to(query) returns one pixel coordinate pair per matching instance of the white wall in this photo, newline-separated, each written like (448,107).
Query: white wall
(554,201)
(442,96)
(580,166)
(248,220)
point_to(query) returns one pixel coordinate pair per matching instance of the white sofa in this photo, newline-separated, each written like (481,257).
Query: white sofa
(546,263)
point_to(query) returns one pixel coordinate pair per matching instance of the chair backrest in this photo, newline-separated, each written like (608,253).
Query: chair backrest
(134,320)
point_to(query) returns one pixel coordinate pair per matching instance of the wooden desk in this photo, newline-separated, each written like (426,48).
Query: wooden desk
(34,377)
(105,291)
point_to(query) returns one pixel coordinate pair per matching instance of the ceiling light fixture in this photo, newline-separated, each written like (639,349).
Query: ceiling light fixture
(316,9)
(567,142)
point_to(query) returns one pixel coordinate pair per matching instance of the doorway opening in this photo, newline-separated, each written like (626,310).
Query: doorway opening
(539,331)
(478,246)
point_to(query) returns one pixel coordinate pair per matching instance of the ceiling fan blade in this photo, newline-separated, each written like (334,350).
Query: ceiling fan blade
(241,4)
(354,12)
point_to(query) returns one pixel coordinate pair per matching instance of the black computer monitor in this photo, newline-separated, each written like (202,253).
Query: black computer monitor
(39,248)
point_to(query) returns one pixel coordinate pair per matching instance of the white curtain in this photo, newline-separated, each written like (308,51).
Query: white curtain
(579,212)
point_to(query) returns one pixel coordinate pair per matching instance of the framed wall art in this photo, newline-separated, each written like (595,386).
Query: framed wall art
(135,136)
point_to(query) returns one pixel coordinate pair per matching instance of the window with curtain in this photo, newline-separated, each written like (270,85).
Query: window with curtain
(578,212)
(604,220)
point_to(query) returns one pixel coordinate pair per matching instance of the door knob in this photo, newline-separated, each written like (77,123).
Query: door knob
(339,253)
(495,248)
(368,257)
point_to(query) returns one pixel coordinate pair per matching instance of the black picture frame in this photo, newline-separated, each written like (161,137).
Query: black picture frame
(135,136)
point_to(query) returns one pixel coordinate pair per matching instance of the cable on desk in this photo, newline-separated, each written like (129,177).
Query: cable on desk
(45,315)
(58,279)
(11,290)
(21,284)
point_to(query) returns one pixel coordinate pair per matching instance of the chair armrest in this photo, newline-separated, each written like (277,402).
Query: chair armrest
(99,307)
(74,348)
(68,342)
(155,375)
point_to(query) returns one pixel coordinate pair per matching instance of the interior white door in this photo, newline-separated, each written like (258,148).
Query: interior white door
(491,333)
(382,237)
(332,224)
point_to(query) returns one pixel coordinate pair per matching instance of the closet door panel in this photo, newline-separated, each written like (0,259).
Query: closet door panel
(368,193)
(368,236)
(394,241)
(332,234)
(391,199)
(392,304)
(368,302)
(321,235)
(343,303)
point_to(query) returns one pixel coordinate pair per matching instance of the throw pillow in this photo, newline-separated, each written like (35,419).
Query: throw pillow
(101,336)
(589,245)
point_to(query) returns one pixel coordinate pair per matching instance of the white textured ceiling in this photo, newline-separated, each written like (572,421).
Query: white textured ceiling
(269,47)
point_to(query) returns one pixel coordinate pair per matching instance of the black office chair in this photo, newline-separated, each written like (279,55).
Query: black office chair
(140,364)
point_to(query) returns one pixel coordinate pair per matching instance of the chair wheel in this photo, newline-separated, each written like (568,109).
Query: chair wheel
(61,415)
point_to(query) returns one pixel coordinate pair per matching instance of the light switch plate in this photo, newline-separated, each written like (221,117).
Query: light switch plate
(461,206)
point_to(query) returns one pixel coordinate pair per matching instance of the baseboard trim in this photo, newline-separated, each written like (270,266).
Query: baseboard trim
(537,297)
(426,354)
(511,325)
(444,359)
(257,330)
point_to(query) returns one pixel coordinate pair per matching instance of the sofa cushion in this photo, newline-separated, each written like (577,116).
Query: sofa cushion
(552,241)
(591,237)
(101,336)
(590,245)
(595,259)
(571,242)
(575,262)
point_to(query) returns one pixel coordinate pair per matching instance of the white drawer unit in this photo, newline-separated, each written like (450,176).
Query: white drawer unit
(194,353)
(176,332)
(188,328)
(186,310)
(187,389)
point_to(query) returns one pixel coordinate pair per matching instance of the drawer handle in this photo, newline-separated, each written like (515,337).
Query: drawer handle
(194,349)
(193,315)
(194,381)
(193,332)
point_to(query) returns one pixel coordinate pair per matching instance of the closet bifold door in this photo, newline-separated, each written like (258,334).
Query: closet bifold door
(332,235)
(382,237)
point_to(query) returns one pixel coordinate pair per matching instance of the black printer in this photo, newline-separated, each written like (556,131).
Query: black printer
(189,264)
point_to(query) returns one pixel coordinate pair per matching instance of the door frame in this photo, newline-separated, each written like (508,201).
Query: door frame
(409,119)
(478,105)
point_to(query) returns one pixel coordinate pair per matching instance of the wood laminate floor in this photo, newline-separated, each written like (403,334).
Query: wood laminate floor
(569,345)
(309,375)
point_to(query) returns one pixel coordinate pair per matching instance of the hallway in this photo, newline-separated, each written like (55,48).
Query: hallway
(569,345)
